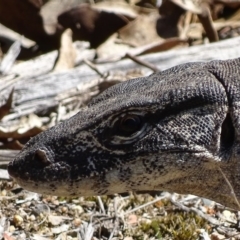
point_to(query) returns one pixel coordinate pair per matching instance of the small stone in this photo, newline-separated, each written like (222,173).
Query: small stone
(78,209)
(11,229)
(77,222)
(132,219)
(227,214)
(35,226)
(32,218)
(4,193)
(55,202)
(18,220)
(64,209)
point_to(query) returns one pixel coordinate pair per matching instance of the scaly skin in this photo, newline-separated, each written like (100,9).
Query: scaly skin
(177,130)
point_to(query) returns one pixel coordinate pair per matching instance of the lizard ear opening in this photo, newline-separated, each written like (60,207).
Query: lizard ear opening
(227,134)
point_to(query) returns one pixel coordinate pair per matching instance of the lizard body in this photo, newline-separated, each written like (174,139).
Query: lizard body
(177,130)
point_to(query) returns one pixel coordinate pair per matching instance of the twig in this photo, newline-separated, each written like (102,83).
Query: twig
(116,223)
(93,67)
(104,217)
(167,195)
(101,204)
(143,63)
(206,20)
(195,210)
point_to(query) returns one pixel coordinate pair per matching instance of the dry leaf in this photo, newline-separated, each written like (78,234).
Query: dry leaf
(91,24)
(67,53)
(141,31)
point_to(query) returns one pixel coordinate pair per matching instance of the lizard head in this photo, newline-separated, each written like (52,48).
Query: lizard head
(169,131)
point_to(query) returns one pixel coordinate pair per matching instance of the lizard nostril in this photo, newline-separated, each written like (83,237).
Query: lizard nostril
(41,156)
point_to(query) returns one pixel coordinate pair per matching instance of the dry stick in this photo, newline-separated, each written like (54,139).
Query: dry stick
(116,223)
(59,115)
(117,210)
(143,63)
(101,204)
(195,210)
(93,67)
(187,22)
(206,20)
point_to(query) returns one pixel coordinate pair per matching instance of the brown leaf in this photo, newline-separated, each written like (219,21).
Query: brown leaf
(67,53)
(141,31)
(91,24)
(23,17)
(170,23)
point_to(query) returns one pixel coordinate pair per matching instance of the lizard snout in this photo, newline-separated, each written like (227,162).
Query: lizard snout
(37,159)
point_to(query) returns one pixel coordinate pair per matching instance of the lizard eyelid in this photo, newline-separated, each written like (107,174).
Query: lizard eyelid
(126,128)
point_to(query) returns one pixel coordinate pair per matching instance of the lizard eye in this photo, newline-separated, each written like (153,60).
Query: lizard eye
(125,129)
(130,124)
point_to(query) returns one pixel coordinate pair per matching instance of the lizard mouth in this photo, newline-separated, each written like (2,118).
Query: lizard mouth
(41,172)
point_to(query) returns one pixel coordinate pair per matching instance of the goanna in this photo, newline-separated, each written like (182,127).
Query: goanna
(177,130)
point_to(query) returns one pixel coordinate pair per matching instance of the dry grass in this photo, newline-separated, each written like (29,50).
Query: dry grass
(26,215)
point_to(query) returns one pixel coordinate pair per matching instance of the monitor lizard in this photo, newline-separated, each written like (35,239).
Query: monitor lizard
(177,130)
